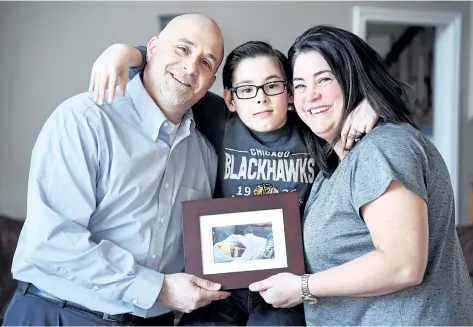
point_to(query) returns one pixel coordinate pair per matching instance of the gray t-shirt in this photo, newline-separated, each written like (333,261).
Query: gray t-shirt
(334,233)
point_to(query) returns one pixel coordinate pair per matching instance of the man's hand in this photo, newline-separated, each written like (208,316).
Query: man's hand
(185,293)
(281,291)
(359,122)
(110,66)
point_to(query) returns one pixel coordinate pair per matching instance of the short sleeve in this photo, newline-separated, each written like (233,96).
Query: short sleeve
(389,153)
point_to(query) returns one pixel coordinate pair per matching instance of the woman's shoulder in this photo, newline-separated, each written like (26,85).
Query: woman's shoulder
(393,136)
(392,144)
(401,130)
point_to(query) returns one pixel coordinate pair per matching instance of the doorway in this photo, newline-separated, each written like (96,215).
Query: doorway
(445,28)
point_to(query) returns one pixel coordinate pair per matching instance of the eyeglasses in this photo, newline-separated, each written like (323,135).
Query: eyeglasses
(250,91)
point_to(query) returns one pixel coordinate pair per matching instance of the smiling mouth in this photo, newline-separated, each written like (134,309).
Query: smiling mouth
(319,110)
(180,81)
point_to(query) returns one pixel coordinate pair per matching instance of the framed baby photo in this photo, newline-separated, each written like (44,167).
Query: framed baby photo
(241,240)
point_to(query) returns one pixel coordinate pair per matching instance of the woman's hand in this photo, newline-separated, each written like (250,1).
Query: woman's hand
(281,291)
(359,122)
(112,65)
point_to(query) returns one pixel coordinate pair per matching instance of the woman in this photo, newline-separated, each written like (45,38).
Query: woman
(379,225)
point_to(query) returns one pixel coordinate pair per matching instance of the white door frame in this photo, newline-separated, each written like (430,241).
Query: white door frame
(446,66)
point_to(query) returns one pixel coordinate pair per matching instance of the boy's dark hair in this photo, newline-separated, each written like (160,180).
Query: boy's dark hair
(254,49)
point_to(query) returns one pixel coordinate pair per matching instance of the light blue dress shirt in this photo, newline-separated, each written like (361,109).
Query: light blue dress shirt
(104,218)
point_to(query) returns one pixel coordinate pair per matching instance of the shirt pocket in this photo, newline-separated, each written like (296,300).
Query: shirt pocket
(184,194)
(187,194)
(190,194)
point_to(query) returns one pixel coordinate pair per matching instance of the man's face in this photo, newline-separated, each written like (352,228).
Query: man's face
(183,63)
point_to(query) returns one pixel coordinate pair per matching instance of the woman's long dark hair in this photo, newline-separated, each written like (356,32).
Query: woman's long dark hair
(361,73)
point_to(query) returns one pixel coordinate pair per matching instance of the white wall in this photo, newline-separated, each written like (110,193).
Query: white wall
(47,49)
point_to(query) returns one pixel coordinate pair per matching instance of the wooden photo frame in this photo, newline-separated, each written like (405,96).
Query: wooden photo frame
(238,241)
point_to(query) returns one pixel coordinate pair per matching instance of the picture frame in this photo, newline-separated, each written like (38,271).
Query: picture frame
(241,240)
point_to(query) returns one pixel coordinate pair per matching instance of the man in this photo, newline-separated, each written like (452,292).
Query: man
(102,241)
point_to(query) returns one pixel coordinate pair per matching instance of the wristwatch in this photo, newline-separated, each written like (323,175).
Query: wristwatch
(306,296)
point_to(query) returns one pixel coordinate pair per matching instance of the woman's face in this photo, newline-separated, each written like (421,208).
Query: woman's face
(318,97)
(263,112)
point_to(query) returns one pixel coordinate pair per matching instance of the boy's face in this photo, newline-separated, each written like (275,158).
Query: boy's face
(261,113)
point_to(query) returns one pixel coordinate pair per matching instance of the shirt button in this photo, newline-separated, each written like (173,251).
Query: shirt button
(166,186)
(165,124)
(96,288)
(135,301)
(162,220)
(154,256)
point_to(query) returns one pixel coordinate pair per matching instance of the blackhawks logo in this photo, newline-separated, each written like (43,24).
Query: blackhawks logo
(265,188)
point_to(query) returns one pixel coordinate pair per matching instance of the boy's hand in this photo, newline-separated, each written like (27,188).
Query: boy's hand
(361,121)
(112,65)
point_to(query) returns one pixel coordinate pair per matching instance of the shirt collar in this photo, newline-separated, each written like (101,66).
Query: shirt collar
(150,114)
